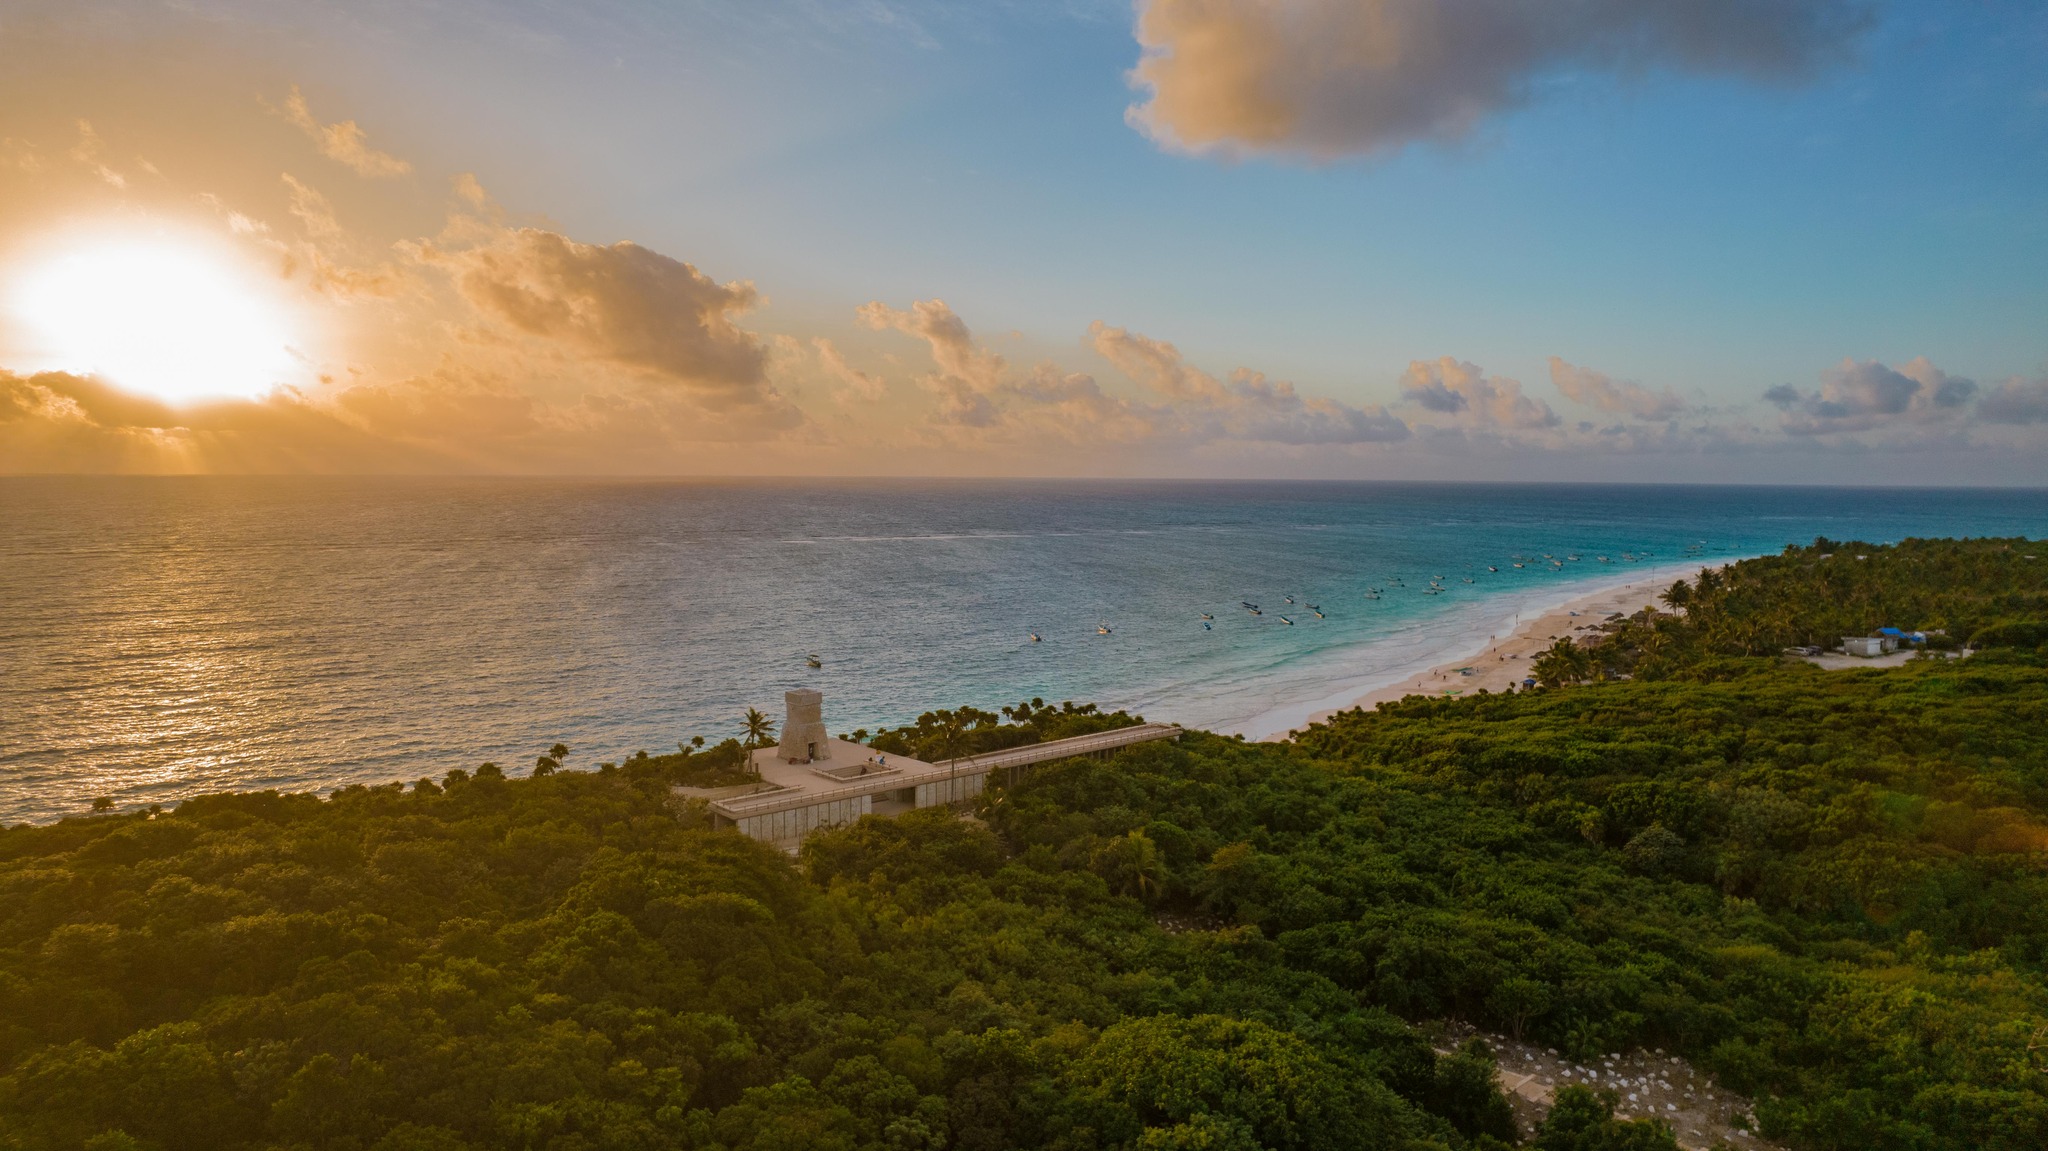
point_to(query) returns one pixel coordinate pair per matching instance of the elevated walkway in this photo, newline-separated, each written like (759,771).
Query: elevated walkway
(788,806)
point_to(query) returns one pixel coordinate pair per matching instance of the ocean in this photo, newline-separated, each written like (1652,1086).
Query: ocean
(165,637)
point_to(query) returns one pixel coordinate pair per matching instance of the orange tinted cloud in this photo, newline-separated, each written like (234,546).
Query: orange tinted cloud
(1249,407)
(1604,393)
(976,390)
(1463,393)
(56,422)
(343,142)
(621,304)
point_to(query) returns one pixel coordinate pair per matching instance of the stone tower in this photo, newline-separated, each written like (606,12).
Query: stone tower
(803,728)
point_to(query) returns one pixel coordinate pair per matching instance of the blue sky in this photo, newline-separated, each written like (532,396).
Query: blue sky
(1702,230)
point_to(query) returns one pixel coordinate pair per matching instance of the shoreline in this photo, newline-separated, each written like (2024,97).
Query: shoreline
(1496,660)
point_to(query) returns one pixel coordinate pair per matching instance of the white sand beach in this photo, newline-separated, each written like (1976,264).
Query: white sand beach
(1502,661)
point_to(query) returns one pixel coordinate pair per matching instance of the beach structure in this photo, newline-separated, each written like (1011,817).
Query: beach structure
(811,780)
(803,727)
(1869,645)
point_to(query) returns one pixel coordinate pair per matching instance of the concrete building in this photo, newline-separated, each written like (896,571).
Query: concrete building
(811,780)
(803,727)
(1869,645)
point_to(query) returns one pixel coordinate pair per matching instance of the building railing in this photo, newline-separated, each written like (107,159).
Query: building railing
(742,807)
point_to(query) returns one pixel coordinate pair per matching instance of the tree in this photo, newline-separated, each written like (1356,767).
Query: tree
(1132,866)
(760,729)
(1677,595)
(1561,663)
(103,804)
(1582,1120)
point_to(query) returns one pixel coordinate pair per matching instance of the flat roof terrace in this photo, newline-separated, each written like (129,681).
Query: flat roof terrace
(854,770)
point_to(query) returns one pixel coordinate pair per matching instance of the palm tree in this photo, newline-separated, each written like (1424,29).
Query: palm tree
(1677,595)
(1561,663)
(760,729)
(952,729)
(1132,865)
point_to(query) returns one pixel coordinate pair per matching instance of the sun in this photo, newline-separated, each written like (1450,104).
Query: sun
(161,315)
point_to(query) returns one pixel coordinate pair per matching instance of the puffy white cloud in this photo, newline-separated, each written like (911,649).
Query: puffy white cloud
(1463,393)
(1328,78)
(1602,392)
(1861,396)
(343,142)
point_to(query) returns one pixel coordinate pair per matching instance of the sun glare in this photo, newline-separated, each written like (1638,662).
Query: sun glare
(154,315)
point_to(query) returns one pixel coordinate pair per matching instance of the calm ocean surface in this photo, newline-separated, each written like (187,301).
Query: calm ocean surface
(165,637)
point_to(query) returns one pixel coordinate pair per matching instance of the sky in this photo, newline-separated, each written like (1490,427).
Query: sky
(1603,240)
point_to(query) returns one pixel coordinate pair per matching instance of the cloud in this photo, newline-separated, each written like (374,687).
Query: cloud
(1601,392)
(87,152)
(1856,397)
(976,391)
(1247,407)
(343,142)
(20,155)
(621,304)
(858,385)
(325,252)
(2016,402)
(57,422)
(1332,78)
(969,376)
(1463,392)
(311,209)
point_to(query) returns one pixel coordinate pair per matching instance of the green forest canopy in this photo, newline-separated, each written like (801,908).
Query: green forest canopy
(1825,887)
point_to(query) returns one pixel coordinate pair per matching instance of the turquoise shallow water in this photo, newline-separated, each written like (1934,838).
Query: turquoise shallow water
(162,637)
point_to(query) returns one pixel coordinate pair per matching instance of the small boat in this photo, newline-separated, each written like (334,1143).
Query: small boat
(1206,627)
(1248,605)
(1102,629)
(813,661)
(1285,620)
(1035,638)
(1206,615)
(1469,579)
(1313,607)
(1319,614)
(1256,611)
(1521,565)
(1288,598)
(1491,568)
